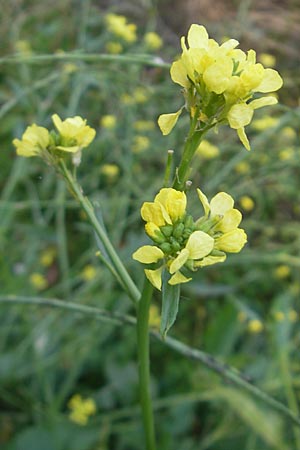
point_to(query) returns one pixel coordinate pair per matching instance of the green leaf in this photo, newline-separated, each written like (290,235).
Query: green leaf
(170,302)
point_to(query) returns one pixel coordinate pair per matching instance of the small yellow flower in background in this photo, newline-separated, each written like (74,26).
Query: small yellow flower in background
(127,99)
(70,68)
(89,272)
(207,150)
(153,41)
(282,271)
(242,167)
(74,133)
(293,315)
(22,46)
(154,317)
(279,316)
(109,121)
(255,326)
(267,60)
(181,243)
(38,281)
(286,154)
(219,82)
(144,125)
(246,203)
(140,95)
(140,144)
(115,48)
(119,26)
(264,123)
(289,133)
(81,409)
(48,256)
(35,139)
(111,171)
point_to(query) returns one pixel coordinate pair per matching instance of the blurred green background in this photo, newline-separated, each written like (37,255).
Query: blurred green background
(244,311)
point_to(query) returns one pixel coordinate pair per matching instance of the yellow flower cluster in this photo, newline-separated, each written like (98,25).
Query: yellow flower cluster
(219,82)
(119,26)
(81,409)
(72,135)
(182,244)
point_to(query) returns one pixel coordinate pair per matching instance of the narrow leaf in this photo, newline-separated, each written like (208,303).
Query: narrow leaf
(170,302)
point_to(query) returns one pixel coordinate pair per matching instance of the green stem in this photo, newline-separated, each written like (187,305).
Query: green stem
(144,363)
(88,208)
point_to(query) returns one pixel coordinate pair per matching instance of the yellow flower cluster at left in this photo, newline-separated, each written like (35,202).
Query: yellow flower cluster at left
(219,83)
(72,136)
(182,244)
(81,409)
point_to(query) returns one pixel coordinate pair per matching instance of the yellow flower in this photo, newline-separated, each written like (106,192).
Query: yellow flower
(183,244)
(279,316)
(264,123)
(74,134)
(247,203)
(140,95)
(111,171)
(119,26)
(81,409)
(34,140)
(114,48)
(140,144)
(282,271)
(48,256)
(255,326)
(23,47)
(219,82)
(267,60)
(153,41)
(207,150)
(287,154)
(38,281)
(109,121)
(292,315)
(144,125)
(89,272)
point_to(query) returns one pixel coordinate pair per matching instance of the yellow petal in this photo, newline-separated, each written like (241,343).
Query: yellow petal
(199,245)
(176,204)
(179,73)
(232,242)
(148,254)
(152,212)
(271,82)
(263,101)
(229,45)
(204,201)
(179,261)
(230,221)
(239,115)
(178,278)
(220,204)
(210,260)
(154,276)
(57,121)
(197,36)
(167,122)
(217,76)
(243,137)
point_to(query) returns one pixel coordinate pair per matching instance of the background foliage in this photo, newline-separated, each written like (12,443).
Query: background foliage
(245,311)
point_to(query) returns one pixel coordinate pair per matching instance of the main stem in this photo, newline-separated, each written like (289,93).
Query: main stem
(144,363)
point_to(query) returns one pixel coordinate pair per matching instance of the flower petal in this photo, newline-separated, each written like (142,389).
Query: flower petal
(205,203)
(220,204)
(167,122)
(243,137)
(152,212)
(148,254)
(179,74)
(240,115)
(232,242)
(197,36)
(210,260)
(199,245)
(230,221)
(271,82)
(178,278)
(263,101)
(179,261)
(154,276)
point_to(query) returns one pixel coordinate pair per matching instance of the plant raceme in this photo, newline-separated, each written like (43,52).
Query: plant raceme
(182,244)
(219,82)
(72,136)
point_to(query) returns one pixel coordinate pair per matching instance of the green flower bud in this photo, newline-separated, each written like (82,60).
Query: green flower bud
(178,229)
(167,230)
(189,222)
(166,247)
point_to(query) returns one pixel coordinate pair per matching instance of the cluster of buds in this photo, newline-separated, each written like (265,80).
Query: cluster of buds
(70,136)
(183,245)
(219,83)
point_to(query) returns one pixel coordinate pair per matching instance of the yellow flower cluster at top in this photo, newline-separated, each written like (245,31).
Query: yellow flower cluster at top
(119,26)
(219,83)
(72,136)
(182,244)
